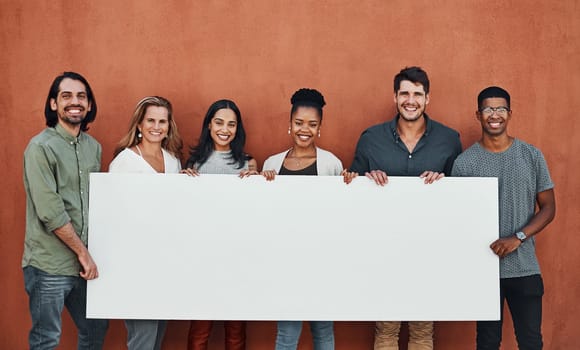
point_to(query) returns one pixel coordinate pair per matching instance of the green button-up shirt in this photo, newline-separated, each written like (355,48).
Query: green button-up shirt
(56,180)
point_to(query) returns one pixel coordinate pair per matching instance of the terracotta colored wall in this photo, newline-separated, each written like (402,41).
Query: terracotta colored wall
(258,53)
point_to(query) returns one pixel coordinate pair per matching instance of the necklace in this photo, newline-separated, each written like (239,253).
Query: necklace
(298,159)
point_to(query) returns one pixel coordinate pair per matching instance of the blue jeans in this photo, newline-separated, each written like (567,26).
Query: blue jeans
(145,334)
(48,294)
(524,299)
(289,334)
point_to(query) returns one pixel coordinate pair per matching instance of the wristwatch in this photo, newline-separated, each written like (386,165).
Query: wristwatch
(521,236)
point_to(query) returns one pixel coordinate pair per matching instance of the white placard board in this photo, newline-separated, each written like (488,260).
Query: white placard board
(298,248)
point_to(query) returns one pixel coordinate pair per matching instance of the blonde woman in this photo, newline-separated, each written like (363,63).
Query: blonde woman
(151,145)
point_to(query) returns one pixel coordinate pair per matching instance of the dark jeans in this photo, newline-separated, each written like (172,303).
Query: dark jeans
(48,295)
(524,299)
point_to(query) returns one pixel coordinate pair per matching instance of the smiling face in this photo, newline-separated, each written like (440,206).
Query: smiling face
(71,103)
(494,122)
(411,100)
(222,129)
(304,126)
(155,124)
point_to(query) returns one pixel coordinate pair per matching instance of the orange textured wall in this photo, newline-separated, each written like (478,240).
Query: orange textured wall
(258,53)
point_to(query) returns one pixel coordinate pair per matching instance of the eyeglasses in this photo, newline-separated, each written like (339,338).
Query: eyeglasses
(488,111)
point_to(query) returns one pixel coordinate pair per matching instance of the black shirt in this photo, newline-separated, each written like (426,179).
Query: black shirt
(309,170)
(381,148)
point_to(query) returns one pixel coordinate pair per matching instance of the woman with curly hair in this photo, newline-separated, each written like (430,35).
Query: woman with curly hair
(304,158)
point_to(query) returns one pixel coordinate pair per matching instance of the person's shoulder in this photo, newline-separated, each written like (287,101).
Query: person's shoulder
(469,154)
(374,132)
(89,139)
(377,128)
(525,145)
(442,128)
(473,149)
(327,154)
(125,161)
(44,136)
(42,139)
(120,157)
(527,148)
(272,161)
(277,155)
(126,152)
(170,155)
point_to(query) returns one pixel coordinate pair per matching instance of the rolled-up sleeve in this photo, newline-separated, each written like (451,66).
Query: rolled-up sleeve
(41,185)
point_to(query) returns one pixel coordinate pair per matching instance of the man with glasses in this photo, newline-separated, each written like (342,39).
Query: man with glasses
(411,144)
(524,181)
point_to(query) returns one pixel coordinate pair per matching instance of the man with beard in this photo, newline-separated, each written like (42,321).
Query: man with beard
(524,185)
(56,262)
(411,144)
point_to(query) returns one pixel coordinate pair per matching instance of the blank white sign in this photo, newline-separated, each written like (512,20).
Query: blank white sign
(297,248)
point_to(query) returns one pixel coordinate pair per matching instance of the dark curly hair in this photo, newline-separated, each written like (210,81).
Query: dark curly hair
(307,98)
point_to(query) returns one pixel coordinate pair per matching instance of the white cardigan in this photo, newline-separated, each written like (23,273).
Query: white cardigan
(327,164)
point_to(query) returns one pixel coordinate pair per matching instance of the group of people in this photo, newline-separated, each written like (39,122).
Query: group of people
(57,163)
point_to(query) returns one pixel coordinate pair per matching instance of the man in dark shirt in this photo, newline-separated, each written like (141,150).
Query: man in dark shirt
(411,144)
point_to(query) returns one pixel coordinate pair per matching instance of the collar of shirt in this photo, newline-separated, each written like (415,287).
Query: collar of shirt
(65,135)
(393,126)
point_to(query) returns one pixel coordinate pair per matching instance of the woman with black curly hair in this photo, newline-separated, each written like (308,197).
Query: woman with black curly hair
(304,158)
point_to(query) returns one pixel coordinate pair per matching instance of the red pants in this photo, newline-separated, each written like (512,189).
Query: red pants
(199,332)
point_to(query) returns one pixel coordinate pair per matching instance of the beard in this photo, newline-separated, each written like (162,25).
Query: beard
(73,120)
